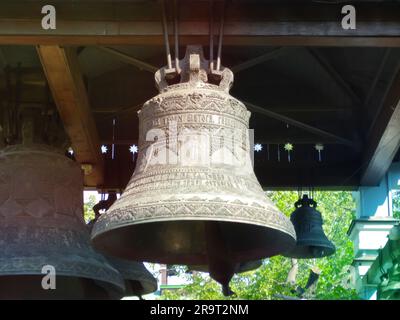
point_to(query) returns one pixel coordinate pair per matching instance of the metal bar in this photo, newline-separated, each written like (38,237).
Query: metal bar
(221,34)
(176,34)
(165,33)
(129,59)
(393,77)
(384,135)
(330,70)
(258,60)
(377,76)
(297,124)
(211,18)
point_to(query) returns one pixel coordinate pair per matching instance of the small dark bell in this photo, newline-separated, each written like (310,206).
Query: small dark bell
(311,239)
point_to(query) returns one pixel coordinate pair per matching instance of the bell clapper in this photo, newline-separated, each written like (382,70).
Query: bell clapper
(220,265)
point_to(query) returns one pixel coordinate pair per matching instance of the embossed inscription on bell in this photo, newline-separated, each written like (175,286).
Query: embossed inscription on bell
(193,196)
(41,224)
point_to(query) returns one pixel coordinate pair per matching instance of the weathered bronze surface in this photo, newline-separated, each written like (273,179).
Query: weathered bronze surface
(41,223)
(193,198)
(138,280)
(241,267)
(311,239)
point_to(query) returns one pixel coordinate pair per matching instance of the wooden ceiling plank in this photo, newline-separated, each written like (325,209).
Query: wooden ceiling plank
(384,137)
(129,59)
(331,71)
(246,24)
(296,123)
(260,59)
(65,80)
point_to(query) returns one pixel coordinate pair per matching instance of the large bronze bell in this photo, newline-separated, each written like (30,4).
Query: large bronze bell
(41,225)
(311,239)
(193,198)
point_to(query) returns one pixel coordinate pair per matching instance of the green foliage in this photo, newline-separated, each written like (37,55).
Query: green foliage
(88,212)
(269,281)
(396,204)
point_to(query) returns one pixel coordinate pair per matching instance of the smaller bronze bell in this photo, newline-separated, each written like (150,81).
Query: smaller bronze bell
(311,239)
(138,280)
(41,228)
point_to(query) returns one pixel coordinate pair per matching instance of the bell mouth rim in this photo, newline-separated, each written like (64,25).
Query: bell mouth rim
(115,282)
(262,241)
(95,233)
(148,287)
(248,266)
(297,253)
(111,290)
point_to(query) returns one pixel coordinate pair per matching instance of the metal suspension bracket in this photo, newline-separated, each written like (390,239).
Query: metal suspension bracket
(172,70)
(216,73)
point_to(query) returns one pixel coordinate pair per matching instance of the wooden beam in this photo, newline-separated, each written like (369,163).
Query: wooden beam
(331,71)
(69,93)
(297,124)
(260,59)
(247,23)
(377,76)
(384,137)
(129,59)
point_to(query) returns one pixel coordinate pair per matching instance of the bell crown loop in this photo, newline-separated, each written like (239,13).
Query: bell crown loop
(305,201)
(194,183)
(194,73)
